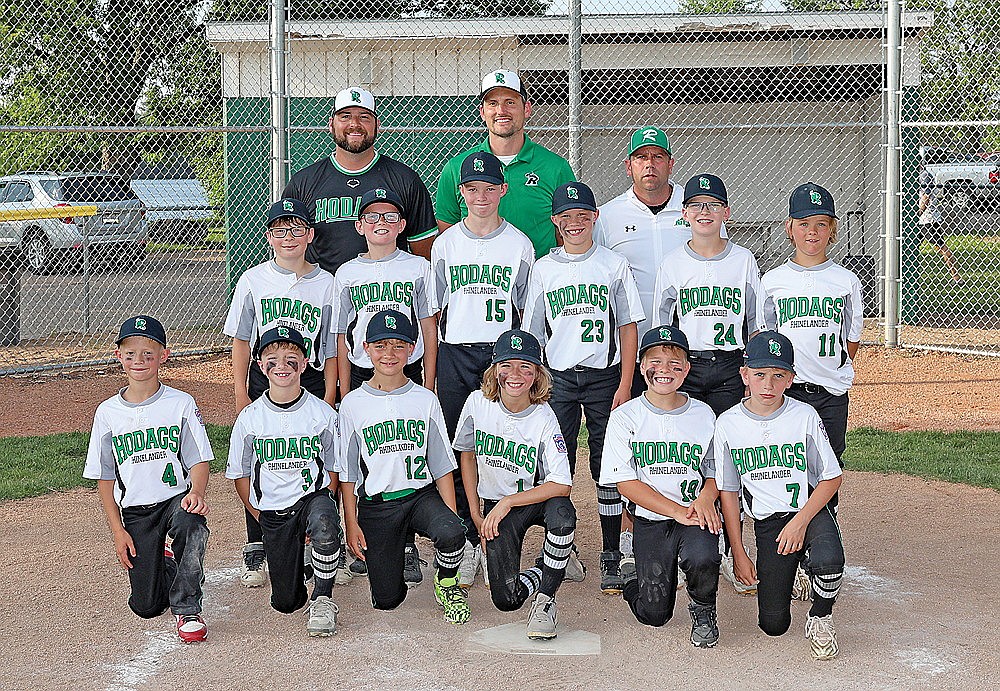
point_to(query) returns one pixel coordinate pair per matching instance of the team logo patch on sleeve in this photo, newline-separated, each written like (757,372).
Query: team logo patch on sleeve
(559,442)
(822,428)
(197,414)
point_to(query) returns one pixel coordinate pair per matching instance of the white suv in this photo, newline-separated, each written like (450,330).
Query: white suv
(114,236)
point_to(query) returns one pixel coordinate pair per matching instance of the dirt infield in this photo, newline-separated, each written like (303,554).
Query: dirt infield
(913,611)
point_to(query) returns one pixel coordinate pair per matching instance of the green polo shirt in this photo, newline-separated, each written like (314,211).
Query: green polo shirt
(531,178)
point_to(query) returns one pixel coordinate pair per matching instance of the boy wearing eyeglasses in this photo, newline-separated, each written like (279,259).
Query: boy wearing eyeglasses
(284,291)
(710,288)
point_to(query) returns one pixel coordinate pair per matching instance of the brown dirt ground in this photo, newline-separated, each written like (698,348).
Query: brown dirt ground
(906,619)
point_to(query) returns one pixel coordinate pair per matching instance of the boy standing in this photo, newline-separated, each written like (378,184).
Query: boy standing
(658,451)
(149,454)
(285,291)
(282,457)
(583,306)
(396,472)
(480,272)
(774,450)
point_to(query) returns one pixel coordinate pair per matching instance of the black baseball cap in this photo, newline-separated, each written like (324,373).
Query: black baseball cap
(811,200)
(707,184)
(380,194)
(389,324)
(291,208)
(481,166)
(573,195)
(517,345)
(143,325)
(770,349)
(665,335)
(282,334)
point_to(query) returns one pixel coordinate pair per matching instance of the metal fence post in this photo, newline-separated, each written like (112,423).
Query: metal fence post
(575,84)
(892,180)
(279,99)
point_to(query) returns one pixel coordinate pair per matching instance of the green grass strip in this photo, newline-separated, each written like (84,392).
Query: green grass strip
(36,465)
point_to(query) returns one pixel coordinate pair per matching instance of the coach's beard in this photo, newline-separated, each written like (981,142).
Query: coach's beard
(360,147)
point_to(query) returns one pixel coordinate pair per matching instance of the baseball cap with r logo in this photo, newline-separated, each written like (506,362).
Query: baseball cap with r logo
(648,136)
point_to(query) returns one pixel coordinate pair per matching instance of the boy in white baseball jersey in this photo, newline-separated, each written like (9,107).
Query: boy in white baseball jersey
(285,291)
(282,457)
(773,451)
(397,472)
(583,305)
(480,272)
(658,451)
(149,454)
(515,465)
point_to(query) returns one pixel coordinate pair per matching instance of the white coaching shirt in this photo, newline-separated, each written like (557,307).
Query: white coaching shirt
(147,448)
(514,451)
(363,287)
(287,453)
(669,450)
(393,440)
(819,308)
(576,304)
(776,460)
(479,282)
(715,301)
(267,296)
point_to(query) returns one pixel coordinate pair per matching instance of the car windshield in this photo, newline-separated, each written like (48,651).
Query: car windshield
(95,188)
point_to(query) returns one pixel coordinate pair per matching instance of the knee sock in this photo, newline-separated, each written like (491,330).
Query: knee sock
(609,506)
(324,561)
(448,562)
(555,555)
(531,580)
(825,590)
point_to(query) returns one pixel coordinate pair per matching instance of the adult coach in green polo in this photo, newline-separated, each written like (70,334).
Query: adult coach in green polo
(531,171)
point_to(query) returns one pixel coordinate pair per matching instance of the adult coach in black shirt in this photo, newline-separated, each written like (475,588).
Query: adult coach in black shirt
(332,186)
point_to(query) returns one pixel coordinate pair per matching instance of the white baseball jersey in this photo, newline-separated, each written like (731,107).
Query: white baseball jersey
(267,296)
(819,308)
(514,451)
(286,452)
(479,282)
(776,460)
(147,448)
(401,282)
(393,440)
(715,302)
(576,304)
(669,450)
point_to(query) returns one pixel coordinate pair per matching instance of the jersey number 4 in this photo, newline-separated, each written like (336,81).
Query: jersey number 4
(169,477)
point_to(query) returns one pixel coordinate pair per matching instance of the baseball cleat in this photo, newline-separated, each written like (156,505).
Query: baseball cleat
(322,617)
(453,599)
(191,628)
(343,575)
(627,569)
(726,569)
(625,543)
(822,636)
(575,570)
(801,586)
(704,626)
(168,550)
(254,561)
(470,563)
(542,618)
(611,579)
(358,569)
(412,575)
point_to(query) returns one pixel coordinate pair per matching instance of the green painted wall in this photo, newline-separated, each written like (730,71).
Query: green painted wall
(909,248)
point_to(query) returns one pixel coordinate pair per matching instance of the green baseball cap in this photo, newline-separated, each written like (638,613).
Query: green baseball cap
(648,136)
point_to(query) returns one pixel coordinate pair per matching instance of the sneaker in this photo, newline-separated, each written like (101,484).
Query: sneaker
(704,629)
(191,628)
(627,569)
(322,617)
(611,578)
(470,563)
(307,563)
(358,568)
(575,570)
(412,562)
(253,565)
(726,569)
(453,599)
(681,579)
(802,586)
(343,575)
(822,637)
(542,618)
(625,543)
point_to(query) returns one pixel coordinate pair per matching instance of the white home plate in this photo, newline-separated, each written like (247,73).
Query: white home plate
(511,638)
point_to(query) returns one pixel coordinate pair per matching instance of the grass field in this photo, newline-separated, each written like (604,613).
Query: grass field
(978,260)
(36,465)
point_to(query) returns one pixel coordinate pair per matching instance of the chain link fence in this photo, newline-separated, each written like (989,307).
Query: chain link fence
(136,139)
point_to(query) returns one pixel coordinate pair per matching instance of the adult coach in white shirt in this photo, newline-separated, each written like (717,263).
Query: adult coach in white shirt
(644,222)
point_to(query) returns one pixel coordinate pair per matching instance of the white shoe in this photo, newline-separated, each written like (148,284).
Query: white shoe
(576,572)
(322,617)
(801,586)
(343,575)
(254,565)
(822,636)
(625,543)
(542,618)
(470,563)
(726,569)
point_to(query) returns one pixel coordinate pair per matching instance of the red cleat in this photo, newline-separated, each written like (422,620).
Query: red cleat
(191,628)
